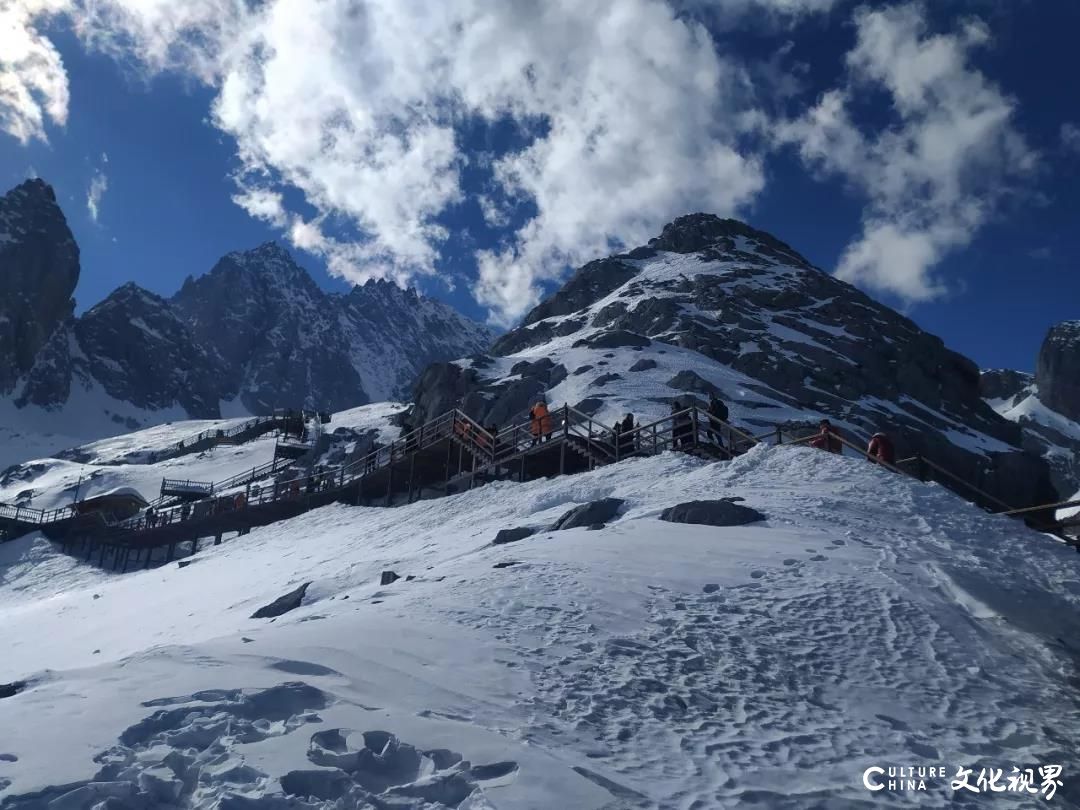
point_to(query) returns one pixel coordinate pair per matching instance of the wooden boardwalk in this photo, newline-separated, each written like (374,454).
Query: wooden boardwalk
(449,454)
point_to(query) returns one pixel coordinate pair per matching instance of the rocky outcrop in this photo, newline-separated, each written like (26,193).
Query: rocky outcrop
(39,268)
(1057,374)
(283,604)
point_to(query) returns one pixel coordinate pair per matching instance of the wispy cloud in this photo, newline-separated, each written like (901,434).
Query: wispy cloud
(99,184)
(1070,137)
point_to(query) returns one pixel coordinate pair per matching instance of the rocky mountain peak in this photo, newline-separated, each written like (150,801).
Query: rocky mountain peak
(1057,373)
(694,233)
(714,305)
(34,189)
(39,269)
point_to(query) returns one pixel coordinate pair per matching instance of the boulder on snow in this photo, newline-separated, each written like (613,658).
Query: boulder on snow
(692,381)
(711,513)
(388,578)
(283,604)
(617,339)
(644,364)
(513,535)
(589,514)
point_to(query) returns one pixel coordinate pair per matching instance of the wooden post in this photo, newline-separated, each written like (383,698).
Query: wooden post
(389,480)
(779,436)
(694,424)
(412,471)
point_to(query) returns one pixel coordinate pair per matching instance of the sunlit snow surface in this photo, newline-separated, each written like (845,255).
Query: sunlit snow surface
(871,620)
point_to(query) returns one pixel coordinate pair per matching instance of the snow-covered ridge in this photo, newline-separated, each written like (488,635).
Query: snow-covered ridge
(869,620)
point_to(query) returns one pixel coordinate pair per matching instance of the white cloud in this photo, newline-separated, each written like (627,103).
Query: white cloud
(358,104)
(1070,137)
(33,83)
(938,172)
(99,184)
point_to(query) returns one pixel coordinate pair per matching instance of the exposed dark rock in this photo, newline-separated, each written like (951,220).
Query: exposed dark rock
(283,604)
(1004,383)
(604,379)
(711,513)
(505,564)
(587,286)
(618,339)
(1057,374)
(587,514)
(388,578)
(513,535)
(692,381)
(582,369)
(644,364)
(11,689)
(590,405)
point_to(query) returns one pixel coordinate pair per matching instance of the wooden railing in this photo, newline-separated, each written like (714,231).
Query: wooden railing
(687,429)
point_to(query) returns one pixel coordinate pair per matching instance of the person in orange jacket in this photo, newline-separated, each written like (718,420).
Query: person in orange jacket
(540,422)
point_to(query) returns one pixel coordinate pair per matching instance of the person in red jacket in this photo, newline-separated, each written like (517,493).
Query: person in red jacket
(881,449)
(827,438)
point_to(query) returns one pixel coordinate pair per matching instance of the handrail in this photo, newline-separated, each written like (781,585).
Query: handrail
(1044,508)
(970,486)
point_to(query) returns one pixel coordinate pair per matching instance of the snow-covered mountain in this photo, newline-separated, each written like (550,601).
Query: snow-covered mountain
(254,333)
(283,340)
(713,305)
(1046,405)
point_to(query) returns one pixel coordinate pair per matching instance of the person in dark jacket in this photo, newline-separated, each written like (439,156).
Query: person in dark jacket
(628,443)
(881,449)
(719,413)
(683,427)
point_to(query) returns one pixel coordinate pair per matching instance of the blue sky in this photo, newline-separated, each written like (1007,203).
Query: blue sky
(484,164)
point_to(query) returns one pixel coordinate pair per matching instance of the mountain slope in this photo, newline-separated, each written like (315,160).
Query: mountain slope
(714,305)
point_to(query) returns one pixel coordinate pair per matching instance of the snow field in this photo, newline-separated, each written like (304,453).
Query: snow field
(870,620)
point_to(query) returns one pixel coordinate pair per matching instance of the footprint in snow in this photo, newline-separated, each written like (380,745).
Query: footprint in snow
(819,558)
(757,574)
(790,561)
